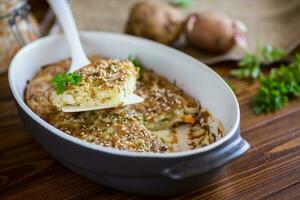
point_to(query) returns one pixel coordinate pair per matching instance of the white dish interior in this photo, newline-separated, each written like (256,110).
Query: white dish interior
(192,76)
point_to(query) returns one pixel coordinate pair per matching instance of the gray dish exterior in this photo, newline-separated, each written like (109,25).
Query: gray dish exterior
(141,173)
(162,176)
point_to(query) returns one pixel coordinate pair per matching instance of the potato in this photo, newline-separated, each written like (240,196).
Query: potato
(156,21)
(211,32)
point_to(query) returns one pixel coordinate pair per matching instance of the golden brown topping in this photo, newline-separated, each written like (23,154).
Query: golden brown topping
(108,74)
(143,127)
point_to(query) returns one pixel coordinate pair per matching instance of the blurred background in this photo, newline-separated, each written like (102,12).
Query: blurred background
(241,26)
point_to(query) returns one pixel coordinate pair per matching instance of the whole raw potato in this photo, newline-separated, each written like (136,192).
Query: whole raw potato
(211,32)
(156,21)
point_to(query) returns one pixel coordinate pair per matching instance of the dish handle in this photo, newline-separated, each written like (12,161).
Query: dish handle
(208,161)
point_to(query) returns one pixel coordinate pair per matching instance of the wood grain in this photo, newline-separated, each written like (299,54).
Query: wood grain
(269,170)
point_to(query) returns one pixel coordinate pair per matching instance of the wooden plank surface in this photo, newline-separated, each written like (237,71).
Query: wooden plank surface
(269,170)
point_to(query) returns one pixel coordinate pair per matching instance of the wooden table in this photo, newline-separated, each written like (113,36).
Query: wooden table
(269,170)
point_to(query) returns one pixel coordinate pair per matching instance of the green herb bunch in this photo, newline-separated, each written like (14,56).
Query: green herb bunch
(61,80)
(278,87)
(250,65)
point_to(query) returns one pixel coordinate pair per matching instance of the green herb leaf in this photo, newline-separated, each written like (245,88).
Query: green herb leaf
(278,87)
(249,66)
(137,63)
(181,3)
(61,80)
(271,54)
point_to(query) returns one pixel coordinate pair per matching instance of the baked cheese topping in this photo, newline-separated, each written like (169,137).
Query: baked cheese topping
(164,104)
(167,120)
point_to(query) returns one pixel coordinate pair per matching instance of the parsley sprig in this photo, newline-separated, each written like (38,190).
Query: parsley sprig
(250,65)
(276,89)
(61,80)
(137,63)
(271,54)
(279,86)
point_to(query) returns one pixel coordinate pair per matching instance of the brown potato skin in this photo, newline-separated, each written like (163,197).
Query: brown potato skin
(210,32)
(157,21)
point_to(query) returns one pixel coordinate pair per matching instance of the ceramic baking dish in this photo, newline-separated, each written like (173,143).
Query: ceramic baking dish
(142,173)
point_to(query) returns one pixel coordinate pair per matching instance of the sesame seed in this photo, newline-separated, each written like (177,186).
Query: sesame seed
(129,128)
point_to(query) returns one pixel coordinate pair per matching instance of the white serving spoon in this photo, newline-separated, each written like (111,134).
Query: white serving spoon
(78,56)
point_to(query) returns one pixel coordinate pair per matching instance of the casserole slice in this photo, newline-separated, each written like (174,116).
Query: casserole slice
(104,83)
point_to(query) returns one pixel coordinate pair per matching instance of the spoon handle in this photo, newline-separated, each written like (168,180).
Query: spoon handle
(66,20)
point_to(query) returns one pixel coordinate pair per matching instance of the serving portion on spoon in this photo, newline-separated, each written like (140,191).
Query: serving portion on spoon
(91,85)
(102,84)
